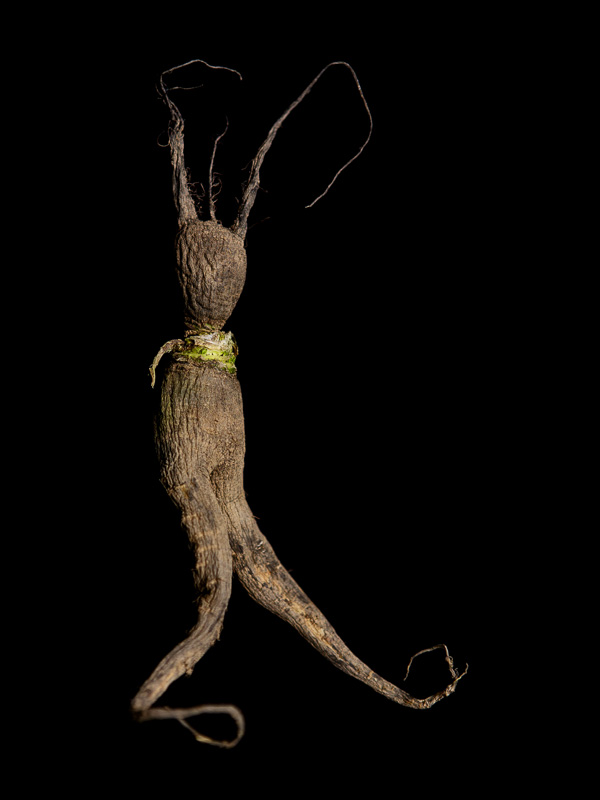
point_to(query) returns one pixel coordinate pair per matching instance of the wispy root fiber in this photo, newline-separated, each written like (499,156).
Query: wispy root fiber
(183,714)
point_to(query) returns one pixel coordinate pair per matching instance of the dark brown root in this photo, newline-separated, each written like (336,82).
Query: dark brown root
(200,443)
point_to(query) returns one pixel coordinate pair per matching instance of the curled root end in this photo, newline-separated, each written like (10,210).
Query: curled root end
(427,702)
(182,715)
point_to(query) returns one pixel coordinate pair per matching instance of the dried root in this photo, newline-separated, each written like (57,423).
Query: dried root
(201,446)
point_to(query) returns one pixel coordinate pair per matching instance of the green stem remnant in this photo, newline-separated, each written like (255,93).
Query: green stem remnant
(200,442)
(218,347)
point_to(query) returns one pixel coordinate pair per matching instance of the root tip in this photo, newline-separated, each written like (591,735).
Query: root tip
(182,715)
(427,702)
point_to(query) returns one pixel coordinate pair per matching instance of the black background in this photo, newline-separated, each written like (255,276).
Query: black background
(382,403)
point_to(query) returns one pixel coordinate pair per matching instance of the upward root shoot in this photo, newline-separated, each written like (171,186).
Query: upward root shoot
(240,226)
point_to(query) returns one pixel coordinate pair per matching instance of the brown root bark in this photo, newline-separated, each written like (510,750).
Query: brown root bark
(201,447)
(186,459)
(270,584)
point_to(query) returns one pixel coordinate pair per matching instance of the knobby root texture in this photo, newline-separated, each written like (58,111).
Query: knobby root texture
(200,442)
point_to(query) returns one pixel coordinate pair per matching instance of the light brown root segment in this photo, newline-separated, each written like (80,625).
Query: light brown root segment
(183,714)
(271,585)
(203,521)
